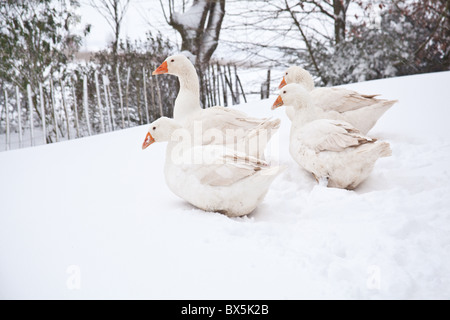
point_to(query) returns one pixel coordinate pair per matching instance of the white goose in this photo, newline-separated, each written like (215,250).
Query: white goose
(334,151)
(362,111)
(230,122)
(210,177)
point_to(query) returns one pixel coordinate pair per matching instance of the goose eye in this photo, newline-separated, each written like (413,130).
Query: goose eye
(286,73)
(284,92)
(154,128)
(173,60)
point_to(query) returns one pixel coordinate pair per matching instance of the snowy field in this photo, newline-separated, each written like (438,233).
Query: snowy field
(93,218)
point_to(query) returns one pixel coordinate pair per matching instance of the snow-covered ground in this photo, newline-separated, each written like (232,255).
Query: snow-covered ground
(93,218)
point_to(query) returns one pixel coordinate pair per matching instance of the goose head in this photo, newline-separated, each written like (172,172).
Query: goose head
(160,130)
(178,65)
(298,75)
(294,95)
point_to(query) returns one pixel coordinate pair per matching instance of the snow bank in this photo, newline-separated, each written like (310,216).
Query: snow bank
(93,218)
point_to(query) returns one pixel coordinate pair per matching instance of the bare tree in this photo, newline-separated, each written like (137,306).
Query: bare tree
(113,11)
(336,10)
(199,26)
(282,32)
(304,37)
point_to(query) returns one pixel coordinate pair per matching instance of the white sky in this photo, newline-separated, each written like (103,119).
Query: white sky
(142,15)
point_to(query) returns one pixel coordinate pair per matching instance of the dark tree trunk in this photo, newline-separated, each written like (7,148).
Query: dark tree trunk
(202,38)
(339,10)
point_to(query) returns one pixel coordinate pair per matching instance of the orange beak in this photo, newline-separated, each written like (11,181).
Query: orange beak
(278,103)
(161,69)
(282,84)
(148,141)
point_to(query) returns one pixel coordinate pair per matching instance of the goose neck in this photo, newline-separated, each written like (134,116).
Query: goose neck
(306,114)
(189,82)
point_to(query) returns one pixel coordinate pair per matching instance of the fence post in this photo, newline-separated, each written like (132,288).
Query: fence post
(138,102)
(48,108)
(99,101)
(120,96)
(230,83)
(206,90)
(107,106)
(236,84)
(224,86)
(8,137)
(233,97)
(145,94)
(242,89)
(213,75)
(19,113)
(211,90)
(55,119)
(211,86)
(85,103)
(41,99)
(1,111)
(66,112)
(152,92)
(113,116)
(218,85)
(127,95)
(30,105)
(158,91)
(75,106)
(265,87)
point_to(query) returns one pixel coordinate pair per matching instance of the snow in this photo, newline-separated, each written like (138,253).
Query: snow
(192,16)
(93,218)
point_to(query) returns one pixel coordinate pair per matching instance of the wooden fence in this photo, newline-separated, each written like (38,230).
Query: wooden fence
(62,111)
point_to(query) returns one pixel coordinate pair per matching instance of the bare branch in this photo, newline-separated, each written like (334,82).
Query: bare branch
(164,11)
(322,9)
(307,43)
(438,24)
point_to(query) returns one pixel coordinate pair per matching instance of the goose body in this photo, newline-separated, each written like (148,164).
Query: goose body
(211,177)
(363,118)
(360,110)
(233,186)
(332,150)
(233,125)
(219,125)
